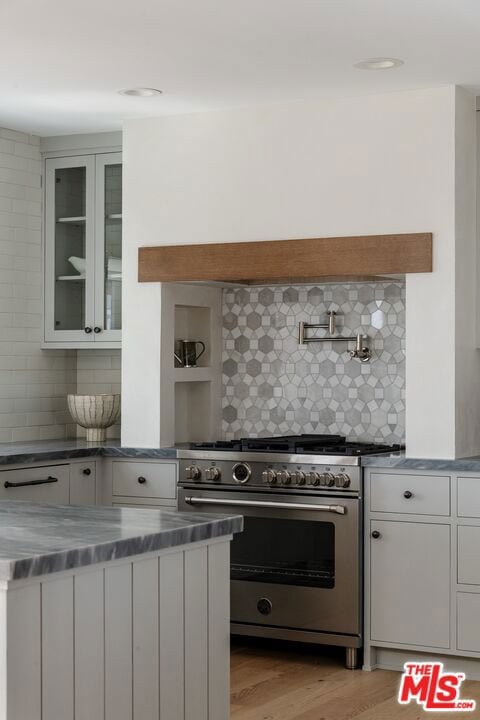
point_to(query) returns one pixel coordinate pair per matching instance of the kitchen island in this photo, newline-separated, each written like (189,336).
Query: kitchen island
(113,613)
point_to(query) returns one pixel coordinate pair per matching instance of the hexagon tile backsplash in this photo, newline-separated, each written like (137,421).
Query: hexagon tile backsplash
(273,386)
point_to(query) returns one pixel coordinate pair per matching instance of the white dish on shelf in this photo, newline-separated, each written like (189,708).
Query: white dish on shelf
(79,263)
(114,264)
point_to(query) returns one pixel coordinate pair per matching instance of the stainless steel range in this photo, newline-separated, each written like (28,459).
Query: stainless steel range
(296,570)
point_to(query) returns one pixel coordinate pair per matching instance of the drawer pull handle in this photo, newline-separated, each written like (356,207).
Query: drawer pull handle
(87,471)
(142,480)
(407,494)
(7,484)
(376,534)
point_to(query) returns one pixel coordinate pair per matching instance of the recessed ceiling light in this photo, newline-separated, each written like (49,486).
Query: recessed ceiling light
(381,63)
(140,92)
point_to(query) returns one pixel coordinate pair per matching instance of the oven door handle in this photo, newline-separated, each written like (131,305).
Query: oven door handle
(338,509)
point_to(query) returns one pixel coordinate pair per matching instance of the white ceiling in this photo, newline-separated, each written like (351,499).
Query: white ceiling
(62,61)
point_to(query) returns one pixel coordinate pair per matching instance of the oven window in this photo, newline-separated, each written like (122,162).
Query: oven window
(290,552)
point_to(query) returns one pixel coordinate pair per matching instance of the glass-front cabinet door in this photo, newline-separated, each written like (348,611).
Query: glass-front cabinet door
(108,252)
(83,250)
(69,259)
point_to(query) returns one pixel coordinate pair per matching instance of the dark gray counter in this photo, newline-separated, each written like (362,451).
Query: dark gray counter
(400,462)
(38,539)
(46,450)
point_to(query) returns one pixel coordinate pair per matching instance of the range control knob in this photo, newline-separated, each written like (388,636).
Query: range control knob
(342,480)
(213,473)
(313,478)
(192,472)
(269,476)
(327,479)
(298,477)
(284,477)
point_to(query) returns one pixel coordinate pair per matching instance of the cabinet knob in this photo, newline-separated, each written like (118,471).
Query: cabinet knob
(88,330)
(376,534)
(87,471)
(407,494)
(142,480)
(97,329)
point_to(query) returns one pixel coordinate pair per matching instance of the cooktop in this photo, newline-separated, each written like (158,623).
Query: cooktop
(298,444)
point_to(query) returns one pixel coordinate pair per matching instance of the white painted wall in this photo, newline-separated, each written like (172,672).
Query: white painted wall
(375,164)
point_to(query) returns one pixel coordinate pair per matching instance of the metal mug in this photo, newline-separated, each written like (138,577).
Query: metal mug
(186,352)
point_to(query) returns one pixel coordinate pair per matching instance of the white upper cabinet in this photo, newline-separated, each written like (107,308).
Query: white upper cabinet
(83,251)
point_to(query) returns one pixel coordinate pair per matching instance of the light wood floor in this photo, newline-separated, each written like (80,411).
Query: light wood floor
(272,682)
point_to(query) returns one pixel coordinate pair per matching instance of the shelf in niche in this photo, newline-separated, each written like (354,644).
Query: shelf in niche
(77,220)
(196,374)
(114,216)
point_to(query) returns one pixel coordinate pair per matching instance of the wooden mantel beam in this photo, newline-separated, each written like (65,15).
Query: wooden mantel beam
(278,260)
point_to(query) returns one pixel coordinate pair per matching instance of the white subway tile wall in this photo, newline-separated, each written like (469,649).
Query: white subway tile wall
(33,382)
(99,371)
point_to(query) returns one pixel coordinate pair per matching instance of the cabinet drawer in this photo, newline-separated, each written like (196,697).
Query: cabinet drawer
(153,480)
(468,627)
(468,557)
(468,496)
(410,494)
(49,484)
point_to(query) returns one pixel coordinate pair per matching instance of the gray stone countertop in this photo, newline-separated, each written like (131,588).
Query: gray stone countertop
(46,450)
(43,450)
(38,539)
(401,462)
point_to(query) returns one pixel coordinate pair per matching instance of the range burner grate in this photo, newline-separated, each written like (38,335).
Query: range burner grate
(290,443)
(298,444)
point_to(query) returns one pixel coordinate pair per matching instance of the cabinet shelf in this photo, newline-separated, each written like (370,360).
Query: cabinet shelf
(114,216)
(115,277)
(77,220)
(196,374)
(71,278)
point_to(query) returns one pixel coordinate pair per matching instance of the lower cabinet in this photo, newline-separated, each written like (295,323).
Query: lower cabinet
(67,483)
(468,626)
(410,583)
(141,483)
(83,483)
(94,481)
(49,483)
(422,567)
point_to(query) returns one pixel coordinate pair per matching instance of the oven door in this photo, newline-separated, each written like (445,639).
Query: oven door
(297,563)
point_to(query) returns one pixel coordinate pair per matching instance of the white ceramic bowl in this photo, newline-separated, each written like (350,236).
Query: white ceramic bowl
(78,263)
(95,413)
